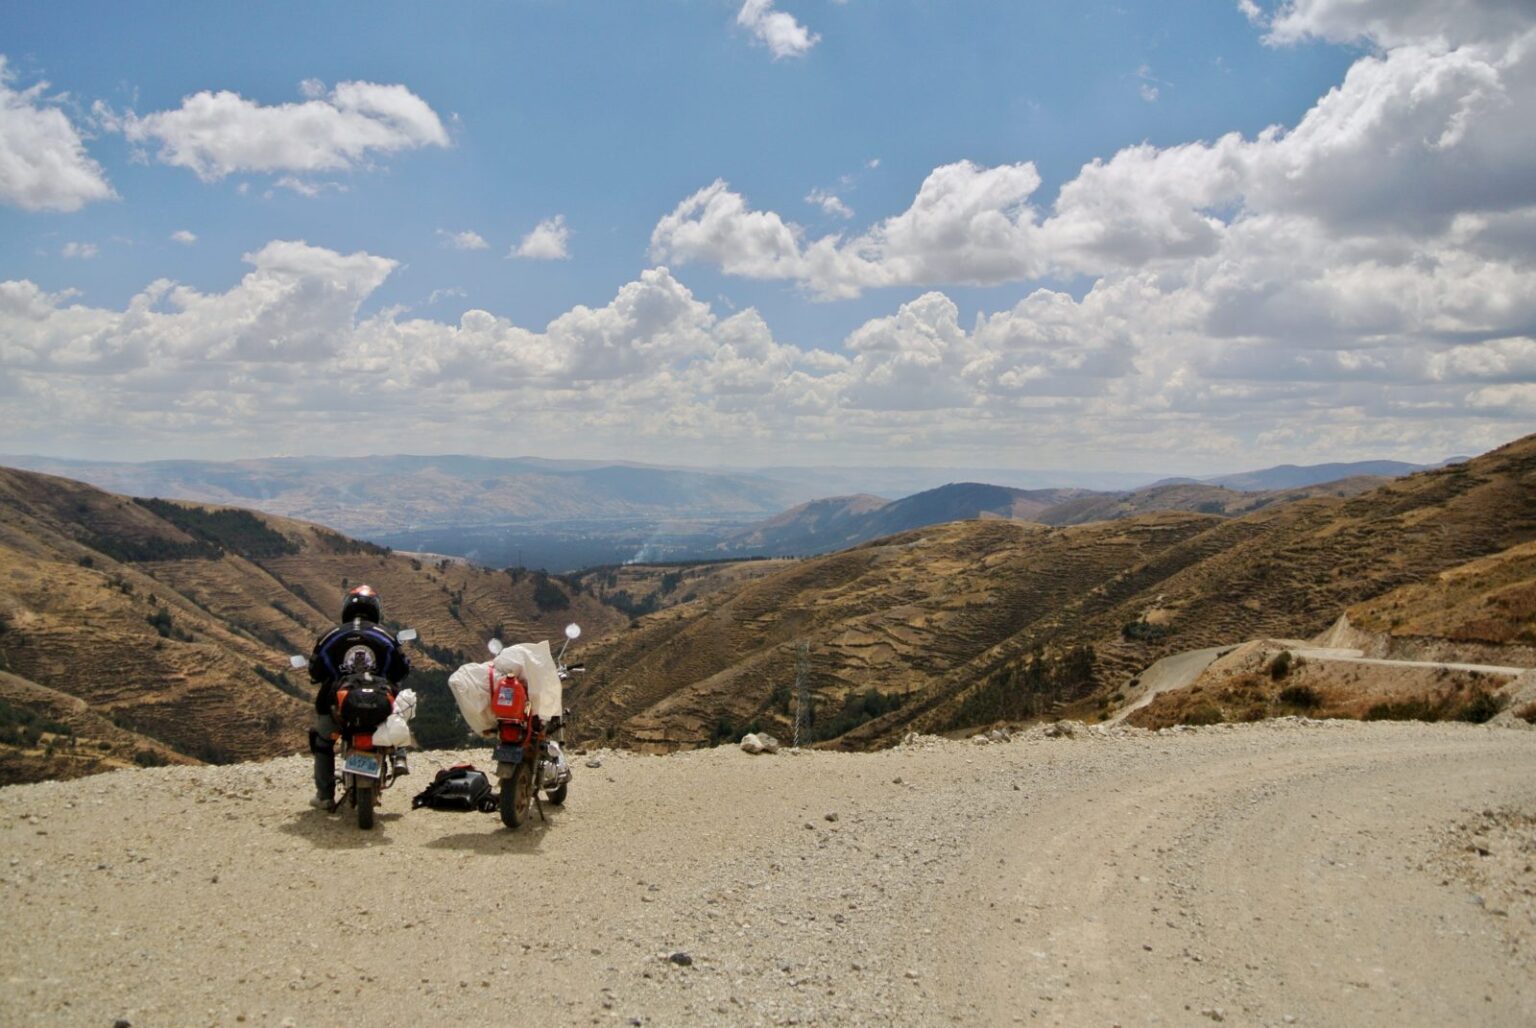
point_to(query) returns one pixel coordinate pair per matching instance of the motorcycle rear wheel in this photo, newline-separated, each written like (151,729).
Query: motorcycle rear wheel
(517,796)
(366,797)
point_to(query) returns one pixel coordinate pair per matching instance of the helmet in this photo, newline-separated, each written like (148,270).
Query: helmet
(361,602)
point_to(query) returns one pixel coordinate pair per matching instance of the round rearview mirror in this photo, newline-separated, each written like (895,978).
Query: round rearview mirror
(296,662)
(572,630)
(495,646)
(407,635)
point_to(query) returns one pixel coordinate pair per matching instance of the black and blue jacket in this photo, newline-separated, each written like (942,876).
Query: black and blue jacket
(330,653)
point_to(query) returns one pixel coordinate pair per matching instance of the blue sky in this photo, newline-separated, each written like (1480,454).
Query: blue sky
(1191,236)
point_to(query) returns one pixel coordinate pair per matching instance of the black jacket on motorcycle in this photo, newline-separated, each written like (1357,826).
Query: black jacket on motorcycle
(333,651)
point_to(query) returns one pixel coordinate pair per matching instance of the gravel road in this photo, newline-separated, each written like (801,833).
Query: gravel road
(1285,872)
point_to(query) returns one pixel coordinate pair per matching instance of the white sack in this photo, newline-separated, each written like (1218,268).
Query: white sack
(393,732)
(471,686)
(534,664)
(405,703)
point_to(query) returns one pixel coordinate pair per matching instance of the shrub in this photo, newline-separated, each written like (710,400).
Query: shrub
(1143,631)
(1300,696)
(1205,714)
(548,596)
(1280,666)
(1482,708)
(1403,710)
(149,758)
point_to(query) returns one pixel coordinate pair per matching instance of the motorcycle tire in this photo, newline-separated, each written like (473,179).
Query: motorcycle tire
(557,794)
(517,796)
(366,797)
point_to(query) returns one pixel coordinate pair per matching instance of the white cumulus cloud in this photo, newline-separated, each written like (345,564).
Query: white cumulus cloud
(43,163)
(549,241)
(778,31)
(466,240)
(184,237)
(81,251)
(216,134)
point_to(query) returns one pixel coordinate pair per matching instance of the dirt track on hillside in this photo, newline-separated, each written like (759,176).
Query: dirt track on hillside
(1265,874)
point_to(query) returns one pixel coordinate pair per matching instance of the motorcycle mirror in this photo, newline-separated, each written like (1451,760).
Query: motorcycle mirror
(407,635)
(495,646)
(296,662)
(572,630)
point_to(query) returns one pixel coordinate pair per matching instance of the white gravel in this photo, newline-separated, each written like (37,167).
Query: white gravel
(1285,872)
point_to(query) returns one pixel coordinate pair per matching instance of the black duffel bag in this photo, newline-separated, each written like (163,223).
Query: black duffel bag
(461,787)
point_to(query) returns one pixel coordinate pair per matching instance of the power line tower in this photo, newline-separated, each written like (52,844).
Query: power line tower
(802,691)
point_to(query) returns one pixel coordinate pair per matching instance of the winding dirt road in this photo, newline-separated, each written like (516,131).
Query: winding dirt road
(1284,872)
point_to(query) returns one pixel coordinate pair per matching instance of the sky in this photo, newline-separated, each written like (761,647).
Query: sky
(1189,236)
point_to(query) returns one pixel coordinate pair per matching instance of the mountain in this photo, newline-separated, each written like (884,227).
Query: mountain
(1193,496)
(840,522)
(962,623)
(150,631)
(1293,476)
(370,496)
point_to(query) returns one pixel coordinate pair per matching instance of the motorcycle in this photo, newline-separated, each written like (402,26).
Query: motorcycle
(528,754)
(364,702)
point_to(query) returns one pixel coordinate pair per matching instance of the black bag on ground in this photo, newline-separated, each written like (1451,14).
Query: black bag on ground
(461,787)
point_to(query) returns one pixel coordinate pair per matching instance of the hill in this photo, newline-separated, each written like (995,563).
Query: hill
(839,522)
(1197,497)
(171,624)
(376,495)
(967,622)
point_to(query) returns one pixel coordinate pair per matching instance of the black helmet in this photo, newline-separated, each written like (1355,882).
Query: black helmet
(361,602)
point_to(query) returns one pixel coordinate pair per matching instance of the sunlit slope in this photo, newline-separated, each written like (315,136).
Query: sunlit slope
(973,620)
(172,621)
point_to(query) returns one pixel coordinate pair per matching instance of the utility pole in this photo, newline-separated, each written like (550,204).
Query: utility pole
(802,689)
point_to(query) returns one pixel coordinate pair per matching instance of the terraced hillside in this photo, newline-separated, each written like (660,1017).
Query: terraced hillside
(170,623)
(968,622)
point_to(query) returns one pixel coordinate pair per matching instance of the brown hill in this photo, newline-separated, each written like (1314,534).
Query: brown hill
(968,622)
(1198,497)
(171,622)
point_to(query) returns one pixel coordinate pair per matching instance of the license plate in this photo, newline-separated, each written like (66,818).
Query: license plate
(362,764)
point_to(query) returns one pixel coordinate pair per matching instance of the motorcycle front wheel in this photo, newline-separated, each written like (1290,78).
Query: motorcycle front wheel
(557,794)
(517,795)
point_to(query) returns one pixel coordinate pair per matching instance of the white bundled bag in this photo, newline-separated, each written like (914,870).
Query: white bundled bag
(405,703)
(535,665)
(394,731)
(471,686)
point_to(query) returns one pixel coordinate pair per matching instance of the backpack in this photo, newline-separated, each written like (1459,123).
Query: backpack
(461,787)
(364,703)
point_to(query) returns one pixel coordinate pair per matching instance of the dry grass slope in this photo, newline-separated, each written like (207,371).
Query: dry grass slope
(950,618)
(171,623)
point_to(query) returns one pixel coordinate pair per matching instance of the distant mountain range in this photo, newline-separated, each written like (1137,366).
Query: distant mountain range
(564,515)
(1294,476)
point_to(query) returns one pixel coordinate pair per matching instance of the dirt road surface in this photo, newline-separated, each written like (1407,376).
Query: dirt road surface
(1277,873)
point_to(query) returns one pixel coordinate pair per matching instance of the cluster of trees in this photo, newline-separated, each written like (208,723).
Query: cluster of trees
(231,530)
(1028,688)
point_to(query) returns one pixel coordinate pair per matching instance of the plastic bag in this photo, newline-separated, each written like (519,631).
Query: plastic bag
(405,703)
(471,686)
(393,732)
(535,665)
